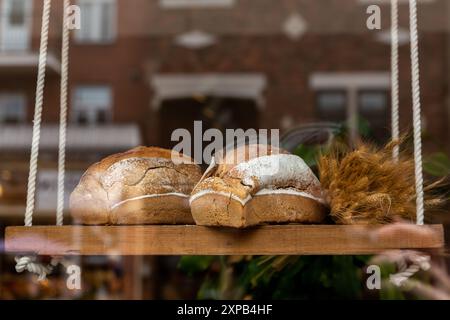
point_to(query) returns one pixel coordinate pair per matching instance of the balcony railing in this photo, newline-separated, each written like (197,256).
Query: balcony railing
(27,62)
(98,138)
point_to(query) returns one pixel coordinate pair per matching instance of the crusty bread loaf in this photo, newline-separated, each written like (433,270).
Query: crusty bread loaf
(264,185)
(145,185)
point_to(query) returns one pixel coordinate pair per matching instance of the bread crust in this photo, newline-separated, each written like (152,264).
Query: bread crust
(140,186)
(252,192)
(224,210)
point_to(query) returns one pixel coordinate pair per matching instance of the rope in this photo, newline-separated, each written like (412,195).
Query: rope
(63,116)
(394,78)
(417,125)
(26,262)
(29,263)
(37,114)
(419,263)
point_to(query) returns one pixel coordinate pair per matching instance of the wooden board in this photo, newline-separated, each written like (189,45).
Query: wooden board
(197,240)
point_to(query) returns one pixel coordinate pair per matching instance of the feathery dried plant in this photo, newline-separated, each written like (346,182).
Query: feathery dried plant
(367,186)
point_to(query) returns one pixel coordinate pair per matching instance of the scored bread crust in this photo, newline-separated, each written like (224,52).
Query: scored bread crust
(272,187)
(146,185)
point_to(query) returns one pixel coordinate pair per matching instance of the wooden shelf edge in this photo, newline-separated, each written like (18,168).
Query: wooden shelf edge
(198,240)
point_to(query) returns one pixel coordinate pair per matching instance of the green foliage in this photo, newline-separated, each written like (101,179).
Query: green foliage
(209,289)
(363,127)
(308,153)
(278,277)
(195,264)
(437,164)
(219,281)
(305,277)
(389,291)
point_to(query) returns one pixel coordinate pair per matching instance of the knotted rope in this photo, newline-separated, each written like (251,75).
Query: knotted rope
(418,263)
(29,262)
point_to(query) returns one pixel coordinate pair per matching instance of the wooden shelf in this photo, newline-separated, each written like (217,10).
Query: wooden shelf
(197,240)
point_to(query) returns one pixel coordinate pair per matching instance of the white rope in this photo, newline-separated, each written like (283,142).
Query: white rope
(29,263)
(417,125)
(394,78)
(419,263)
(37,114)
(63,116)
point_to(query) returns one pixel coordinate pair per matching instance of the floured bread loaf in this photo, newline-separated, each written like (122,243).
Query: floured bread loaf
(262,185)
(140,186)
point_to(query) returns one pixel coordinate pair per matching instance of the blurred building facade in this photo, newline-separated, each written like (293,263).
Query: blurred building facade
(141,68)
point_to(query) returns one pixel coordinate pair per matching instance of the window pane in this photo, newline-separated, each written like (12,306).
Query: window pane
(12,108)
(106,27)
(373,102)
(185,4)
(92,104)
(87,18)
(97,20)
(373,108)
(17,14)
(331,106)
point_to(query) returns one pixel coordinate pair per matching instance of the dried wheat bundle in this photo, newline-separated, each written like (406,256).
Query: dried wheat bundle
(366,186)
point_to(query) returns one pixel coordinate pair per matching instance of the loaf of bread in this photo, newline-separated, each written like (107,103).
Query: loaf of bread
(257,184)
(145,185)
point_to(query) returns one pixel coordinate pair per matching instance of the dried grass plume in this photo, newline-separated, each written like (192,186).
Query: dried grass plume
(366,186)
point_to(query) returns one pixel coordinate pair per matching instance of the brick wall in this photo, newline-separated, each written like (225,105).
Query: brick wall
(145,47)
(288,66)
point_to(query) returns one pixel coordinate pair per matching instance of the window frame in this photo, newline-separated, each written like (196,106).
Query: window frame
(377,128)
(75,111)
(387,2)
(379,131)
(198,4)
(23,116)
(373,90)
(23,13)
(319,113)
(15,37)
(78,36)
